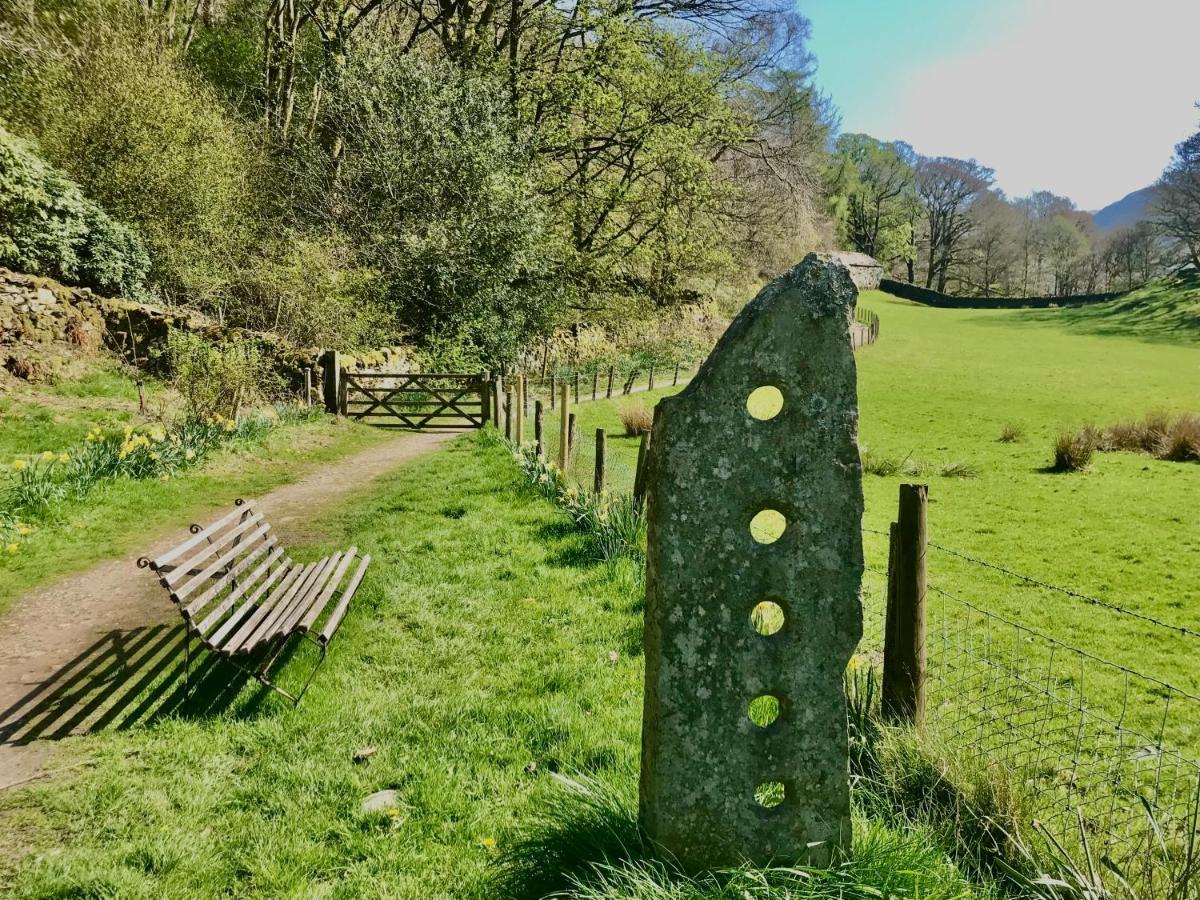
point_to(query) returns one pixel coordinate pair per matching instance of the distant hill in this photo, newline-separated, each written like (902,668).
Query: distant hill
(1127,211)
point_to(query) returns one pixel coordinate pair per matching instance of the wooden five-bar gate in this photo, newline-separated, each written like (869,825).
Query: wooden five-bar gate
(414,400)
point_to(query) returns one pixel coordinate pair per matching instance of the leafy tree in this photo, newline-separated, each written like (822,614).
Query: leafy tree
(874,179)
(1178,206)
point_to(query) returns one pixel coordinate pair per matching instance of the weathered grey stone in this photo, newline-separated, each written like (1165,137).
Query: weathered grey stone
(712,468)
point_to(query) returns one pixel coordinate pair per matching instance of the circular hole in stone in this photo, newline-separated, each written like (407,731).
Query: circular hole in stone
(765,403)
(764,710)
(767,618)
(770,794)
(767,527)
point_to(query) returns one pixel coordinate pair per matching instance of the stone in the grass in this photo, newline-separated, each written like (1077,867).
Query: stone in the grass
(381,802)
(750,622)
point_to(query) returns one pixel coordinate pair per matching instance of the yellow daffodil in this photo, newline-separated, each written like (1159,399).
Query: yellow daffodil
(23,529)
(64,458)
(489,842)
(19,464)
(12,548)
(47,455)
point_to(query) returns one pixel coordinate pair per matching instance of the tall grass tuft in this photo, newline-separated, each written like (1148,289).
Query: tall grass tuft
(1073,450)
(1011,434)
(637,418)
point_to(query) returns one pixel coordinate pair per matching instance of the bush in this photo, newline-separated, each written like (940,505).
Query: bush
(638,418)
(48,227)
(1073,450)
(146,139)
(217,381)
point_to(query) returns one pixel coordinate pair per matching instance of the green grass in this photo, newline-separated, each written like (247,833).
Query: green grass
(487,651)
(1162,311)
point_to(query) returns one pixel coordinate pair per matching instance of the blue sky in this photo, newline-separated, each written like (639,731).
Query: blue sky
(1086,98)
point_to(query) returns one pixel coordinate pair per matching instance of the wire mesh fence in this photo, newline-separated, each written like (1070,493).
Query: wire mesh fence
(1091,740)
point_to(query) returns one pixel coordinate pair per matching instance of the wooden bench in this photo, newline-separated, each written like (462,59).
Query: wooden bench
(244,598)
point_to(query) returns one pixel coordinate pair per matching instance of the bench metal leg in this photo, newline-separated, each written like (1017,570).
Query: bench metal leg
(263,677)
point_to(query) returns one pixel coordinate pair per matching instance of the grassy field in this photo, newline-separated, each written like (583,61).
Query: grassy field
(487,655)
(115,519)
(939,388)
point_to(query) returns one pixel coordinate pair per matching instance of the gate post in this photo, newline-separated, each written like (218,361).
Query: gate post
(485,400)
(753,570)
(539,435)
(331,367)
(343,393)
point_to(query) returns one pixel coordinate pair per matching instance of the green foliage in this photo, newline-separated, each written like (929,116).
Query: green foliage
(217,380)
(454,229)
(48,227)
(146,139)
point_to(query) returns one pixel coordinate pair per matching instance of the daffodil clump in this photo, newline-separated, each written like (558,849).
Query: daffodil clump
(31,487)
(616,524)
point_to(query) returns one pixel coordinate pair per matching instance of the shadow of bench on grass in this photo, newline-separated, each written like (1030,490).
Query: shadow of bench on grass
(127,678)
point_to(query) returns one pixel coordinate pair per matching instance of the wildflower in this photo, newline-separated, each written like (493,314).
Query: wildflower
(19,464)
(64,458)
(489,842)
(229,426)
(189,454)
(12,548)
(47,455)
(23,529)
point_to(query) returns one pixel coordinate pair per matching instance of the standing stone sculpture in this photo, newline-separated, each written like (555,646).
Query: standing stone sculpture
(749,630)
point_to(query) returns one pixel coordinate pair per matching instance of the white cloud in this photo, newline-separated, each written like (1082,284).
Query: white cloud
(1086,98)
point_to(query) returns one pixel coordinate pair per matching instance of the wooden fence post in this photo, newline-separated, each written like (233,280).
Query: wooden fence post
(675,381)
(519,428)
(595,383)
(572,436)
(639,475)
(539,434)
(553,391)
(508,414)
(308,380)
(485,398)
(610,383)
(343,393)
(564,433)
(501,412)
(601,452)
(651,387)
(576,388)
(903,693)
(331,367)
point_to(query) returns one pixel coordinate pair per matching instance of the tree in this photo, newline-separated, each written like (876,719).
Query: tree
(1178,207)
(874,179)
(947,187)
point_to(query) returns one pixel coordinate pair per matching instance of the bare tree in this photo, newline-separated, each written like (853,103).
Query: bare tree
(947,187)
(1178,207)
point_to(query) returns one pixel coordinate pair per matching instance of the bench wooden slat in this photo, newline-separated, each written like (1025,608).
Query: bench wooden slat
(318,605)
(248,607)
(214,615)
(222,583)
(267,626)
(175,552)
(183,569)
(339,611)
(222,561)
(289,622)
(291,582)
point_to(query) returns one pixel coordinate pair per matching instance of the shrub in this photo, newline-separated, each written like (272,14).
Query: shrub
(1073,450)
(1011,434)
(1145,436)
(48,227)
(217,380)
(637,418)
(1181,440)
(125,117)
